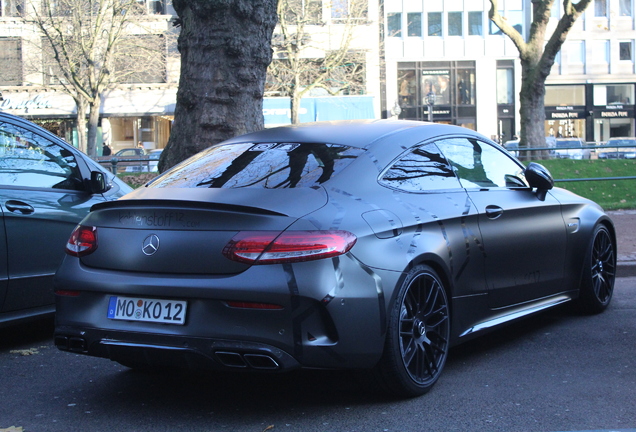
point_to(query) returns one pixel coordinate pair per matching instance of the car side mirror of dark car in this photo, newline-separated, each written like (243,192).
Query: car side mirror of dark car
(98,183)
(540,178)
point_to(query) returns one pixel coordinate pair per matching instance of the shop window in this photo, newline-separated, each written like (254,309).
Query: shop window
(437,82)
(475,23)
(11,59)
(455,23)
(407,87)
(465,87)
(414,24)
(394,24)
(625,51)
(434,23)
(600,8)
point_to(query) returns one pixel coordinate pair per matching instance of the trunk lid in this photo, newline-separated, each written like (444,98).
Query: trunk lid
(184,231)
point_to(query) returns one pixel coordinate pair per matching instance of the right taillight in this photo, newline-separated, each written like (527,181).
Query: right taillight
(270,247)
(83,241)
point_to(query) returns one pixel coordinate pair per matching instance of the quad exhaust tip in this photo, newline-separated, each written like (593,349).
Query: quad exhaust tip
(242,360)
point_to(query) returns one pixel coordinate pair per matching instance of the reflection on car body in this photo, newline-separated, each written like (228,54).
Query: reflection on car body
(45,190)
(370,245)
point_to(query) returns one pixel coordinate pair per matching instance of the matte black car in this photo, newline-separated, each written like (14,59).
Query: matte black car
(46,189)
(369,245)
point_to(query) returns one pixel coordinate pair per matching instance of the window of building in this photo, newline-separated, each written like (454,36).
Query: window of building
(465,87)
(435,24)
(505,86)
(414,24)
(394,24)
(342,9)
(600,48)
(141,59)
(514,18)
(152,7)
(564,95)
(576,52)
(11,60)
(305,11)
(455,23)
(11,8)
(475,23)
(625,8)
(613,94)
(625,50)
(600,8)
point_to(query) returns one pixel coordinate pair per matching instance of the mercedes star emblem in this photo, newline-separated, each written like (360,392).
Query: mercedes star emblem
(150,245)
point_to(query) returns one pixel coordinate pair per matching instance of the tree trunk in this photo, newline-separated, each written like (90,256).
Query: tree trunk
(82,108)
(225,49)
(532,112)
(93,123)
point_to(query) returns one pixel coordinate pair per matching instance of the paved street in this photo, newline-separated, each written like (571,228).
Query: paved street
(559,371)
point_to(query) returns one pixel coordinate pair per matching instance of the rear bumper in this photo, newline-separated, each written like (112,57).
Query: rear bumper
(171,351)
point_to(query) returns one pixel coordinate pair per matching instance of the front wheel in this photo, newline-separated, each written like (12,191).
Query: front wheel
(418,335)
(597,285)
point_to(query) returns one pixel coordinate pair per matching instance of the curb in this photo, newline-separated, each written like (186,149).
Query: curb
(626,269)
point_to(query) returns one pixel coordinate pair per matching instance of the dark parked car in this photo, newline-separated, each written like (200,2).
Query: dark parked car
(619,148)
(132,159)
(371,245)
(46,189)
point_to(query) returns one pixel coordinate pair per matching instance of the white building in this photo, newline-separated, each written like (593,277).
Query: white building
(142,109)
(450,48)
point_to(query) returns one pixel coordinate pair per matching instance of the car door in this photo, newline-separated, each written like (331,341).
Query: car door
(43,197)
(4,275)
(524,238)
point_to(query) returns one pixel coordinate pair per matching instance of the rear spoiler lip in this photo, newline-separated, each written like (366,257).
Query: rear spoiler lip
(182,204)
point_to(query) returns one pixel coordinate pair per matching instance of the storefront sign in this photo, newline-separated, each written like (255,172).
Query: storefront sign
(38,102)
(564,113)
(615,114)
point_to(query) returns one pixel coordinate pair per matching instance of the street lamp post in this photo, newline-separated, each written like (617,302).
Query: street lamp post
(430,101)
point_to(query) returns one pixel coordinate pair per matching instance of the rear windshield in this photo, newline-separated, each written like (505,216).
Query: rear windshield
(261,165)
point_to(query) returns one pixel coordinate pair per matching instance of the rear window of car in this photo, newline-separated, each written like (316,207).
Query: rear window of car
(260,165)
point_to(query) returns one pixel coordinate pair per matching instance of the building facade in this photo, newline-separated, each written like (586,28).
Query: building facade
(447,62)
(141,108)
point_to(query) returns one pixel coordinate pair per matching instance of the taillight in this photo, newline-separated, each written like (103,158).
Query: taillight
(268,247)
(83,241)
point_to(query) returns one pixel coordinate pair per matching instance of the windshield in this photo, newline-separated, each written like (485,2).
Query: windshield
(262,165)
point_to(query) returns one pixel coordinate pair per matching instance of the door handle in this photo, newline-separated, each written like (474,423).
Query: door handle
(19,207)
(493,212)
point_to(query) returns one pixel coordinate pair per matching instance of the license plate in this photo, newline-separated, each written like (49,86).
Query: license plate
(147,310)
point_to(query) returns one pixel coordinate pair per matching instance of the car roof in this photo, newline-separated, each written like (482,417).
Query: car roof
(355,133)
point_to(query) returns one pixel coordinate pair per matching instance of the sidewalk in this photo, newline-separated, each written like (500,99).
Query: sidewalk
(625,223)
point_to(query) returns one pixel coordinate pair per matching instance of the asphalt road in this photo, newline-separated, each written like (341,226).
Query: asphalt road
(559,371)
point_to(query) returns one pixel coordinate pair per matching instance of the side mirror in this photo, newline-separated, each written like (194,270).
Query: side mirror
(540,178)
(98,183)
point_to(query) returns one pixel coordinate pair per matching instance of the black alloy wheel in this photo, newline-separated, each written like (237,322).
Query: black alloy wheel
(418,335)
(600,272)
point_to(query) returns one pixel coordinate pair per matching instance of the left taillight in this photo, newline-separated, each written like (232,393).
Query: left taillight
(83,241)
(267,247)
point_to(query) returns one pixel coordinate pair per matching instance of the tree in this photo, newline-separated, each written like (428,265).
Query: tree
(225,48)
(537,57)
(308,54)
(87,45)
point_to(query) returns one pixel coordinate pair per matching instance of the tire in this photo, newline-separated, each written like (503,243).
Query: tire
(597,285)
(418,335)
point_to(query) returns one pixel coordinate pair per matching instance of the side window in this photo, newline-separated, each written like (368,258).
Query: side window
(480,165)
(27,159)
(423,169)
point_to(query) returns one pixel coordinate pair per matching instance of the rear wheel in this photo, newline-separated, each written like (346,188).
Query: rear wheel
(597,285)
(418,335)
